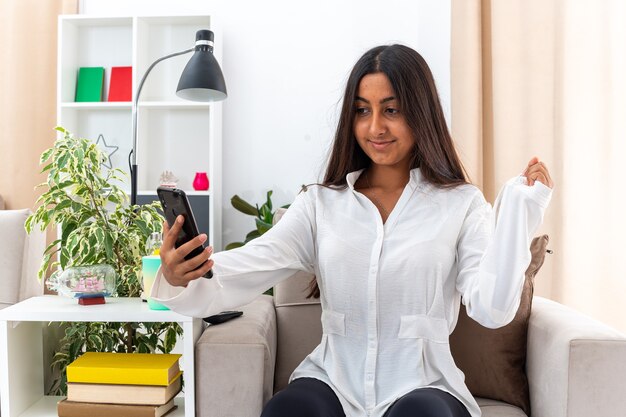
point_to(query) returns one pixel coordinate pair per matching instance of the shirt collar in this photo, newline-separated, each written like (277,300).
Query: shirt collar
(416,178)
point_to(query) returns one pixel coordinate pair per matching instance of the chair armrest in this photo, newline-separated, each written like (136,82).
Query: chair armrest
(576,365)
(235,361)
(20,257)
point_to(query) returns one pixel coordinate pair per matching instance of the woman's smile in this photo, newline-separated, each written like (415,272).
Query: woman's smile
(381,145)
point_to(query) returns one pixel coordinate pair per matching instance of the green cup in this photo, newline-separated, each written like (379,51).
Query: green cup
(149,267)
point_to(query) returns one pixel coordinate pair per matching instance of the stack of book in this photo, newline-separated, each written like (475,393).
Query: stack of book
(121,384)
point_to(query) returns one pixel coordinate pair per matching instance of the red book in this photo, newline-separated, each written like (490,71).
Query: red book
(120,87)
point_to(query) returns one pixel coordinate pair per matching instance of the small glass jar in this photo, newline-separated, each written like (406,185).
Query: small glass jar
(85,281)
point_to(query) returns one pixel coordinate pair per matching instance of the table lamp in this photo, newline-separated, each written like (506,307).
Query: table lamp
(201,80)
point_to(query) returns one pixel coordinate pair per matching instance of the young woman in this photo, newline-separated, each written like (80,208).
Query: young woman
(396,237)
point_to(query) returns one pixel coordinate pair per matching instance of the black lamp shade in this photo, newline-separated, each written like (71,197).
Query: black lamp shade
(202,78)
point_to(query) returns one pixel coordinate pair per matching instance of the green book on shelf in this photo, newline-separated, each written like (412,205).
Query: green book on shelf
(89,84)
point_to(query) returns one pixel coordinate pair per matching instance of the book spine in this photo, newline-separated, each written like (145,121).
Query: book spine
(121,376)
(84,409)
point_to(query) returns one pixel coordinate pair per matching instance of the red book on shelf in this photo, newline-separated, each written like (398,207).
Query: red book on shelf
(120,87)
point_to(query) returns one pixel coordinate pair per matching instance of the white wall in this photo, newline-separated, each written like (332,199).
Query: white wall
(285,64)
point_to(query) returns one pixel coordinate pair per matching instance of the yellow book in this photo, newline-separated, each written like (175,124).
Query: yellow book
(124,368)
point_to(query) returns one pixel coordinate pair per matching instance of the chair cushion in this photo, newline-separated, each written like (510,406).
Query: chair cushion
(493,408)
(494,360)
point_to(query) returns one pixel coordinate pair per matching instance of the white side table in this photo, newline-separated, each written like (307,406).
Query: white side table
(21,348)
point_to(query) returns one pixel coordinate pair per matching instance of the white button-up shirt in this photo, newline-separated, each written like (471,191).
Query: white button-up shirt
(390,292)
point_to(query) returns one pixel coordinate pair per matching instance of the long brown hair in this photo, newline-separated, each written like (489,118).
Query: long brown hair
(414,86)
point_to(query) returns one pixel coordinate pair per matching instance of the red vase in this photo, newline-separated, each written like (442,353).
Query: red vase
(201,182)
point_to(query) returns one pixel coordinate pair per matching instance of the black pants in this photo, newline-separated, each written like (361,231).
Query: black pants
(309,397)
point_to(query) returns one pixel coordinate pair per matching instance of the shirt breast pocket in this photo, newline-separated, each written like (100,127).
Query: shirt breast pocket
(420,326)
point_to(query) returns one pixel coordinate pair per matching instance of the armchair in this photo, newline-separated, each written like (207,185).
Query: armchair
(576,366)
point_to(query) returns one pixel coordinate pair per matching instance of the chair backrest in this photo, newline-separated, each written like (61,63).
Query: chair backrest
(299,325)
(20,257)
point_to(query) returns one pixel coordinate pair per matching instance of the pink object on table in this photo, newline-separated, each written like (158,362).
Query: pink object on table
(201,182)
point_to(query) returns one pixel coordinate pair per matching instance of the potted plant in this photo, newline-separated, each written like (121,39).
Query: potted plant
(264,220)
(264,217)
(97,226)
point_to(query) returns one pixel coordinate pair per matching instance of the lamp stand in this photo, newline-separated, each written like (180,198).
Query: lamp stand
(133,161)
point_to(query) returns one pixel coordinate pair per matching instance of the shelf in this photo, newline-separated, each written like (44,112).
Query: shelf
(47,407)
(188,192)
(100,105)
(174,104)
(57,308)
(173,134)
(89,21)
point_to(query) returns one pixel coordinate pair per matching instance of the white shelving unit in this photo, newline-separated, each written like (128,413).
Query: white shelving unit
(21,348)
(173,134)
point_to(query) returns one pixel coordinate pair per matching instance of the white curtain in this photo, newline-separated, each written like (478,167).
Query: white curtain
(28,44)
(548,78)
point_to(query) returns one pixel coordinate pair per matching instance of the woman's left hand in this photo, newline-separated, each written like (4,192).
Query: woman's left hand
(538,171)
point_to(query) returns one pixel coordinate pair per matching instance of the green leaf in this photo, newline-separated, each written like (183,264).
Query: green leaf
(108,245)
(252,235)
(262,226)
(170,339)
(243,206)
(46,168)
(45,155)
(95,341)
(75,348)
(67,229)
(269,200)
(64,258)
(99,233)
(145,230)
(28,225)
(154,341)
(52,245)
(233,245)
(63,205)
(65,184)
(44,266)
(80,155)
(266,214)
(63,160)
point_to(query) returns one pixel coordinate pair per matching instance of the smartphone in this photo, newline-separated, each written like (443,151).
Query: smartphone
(175,202)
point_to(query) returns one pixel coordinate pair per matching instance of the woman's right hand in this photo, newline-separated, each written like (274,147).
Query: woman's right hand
(175,268)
